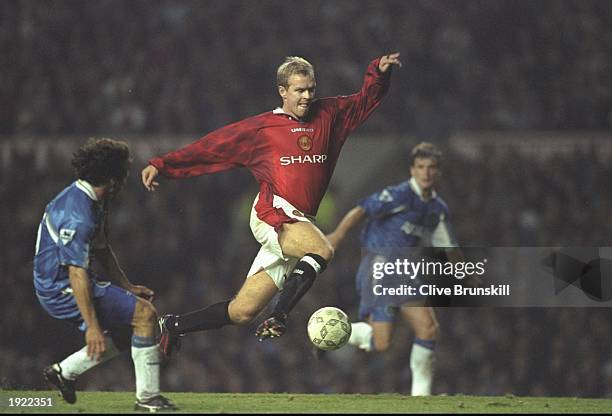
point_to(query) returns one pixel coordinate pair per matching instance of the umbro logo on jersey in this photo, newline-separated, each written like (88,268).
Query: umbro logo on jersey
(66,235)
(302,129)
(290,160)
(385,196)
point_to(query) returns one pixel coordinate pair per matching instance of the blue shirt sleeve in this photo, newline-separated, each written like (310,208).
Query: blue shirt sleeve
(75,231)
(74,244)
(390,200)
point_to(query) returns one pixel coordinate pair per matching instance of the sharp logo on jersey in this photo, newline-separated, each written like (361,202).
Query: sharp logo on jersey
(66,235)
(305,143)
(385,196)
(290,160)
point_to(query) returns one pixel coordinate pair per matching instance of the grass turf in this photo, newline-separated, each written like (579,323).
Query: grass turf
(123,402)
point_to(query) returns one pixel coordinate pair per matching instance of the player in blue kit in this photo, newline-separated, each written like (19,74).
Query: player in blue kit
(400,217)
(72,233)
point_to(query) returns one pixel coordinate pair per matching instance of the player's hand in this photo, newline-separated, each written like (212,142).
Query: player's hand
(148,175)
(94,338)
(388,60)
(142,291)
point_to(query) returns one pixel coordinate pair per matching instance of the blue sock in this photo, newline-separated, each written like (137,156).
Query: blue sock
(145,356)
(430,344)
(142,342)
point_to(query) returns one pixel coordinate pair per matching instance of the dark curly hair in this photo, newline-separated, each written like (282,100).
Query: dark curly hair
(99,161)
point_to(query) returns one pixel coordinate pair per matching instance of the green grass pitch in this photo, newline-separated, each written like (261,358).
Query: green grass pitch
(115,402)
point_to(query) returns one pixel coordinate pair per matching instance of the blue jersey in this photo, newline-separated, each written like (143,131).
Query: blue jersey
(399,217)
(73,223)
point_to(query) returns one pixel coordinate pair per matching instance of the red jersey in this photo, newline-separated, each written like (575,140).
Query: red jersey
(291,158)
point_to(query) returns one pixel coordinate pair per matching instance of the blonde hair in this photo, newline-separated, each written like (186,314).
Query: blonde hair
(425,150)
(291,66)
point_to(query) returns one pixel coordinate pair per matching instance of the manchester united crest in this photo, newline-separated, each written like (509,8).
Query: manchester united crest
(305,143)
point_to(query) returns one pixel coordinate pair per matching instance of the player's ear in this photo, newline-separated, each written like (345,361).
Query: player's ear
(282,91)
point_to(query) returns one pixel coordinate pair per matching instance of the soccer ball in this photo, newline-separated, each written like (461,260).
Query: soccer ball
(329,328)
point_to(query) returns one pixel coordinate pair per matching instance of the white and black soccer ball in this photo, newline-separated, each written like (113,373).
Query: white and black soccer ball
(329,328)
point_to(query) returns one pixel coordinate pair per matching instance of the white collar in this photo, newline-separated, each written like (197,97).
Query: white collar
(417,190)
(279,110)
(87,188)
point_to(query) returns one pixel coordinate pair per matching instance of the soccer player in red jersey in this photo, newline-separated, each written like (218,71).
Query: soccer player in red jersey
(292,152)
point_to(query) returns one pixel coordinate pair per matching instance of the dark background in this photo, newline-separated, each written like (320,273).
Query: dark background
(517,93)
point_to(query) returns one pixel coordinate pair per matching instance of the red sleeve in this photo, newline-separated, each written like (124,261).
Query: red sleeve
(226,148)
(352,110)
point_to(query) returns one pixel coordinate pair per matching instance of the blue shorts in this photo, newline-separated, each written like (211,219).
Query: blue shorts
(382,308)
(379,313)
(114,307)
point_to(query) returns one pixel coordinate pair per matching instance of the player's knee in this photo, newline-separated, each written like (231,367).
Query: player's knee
(435,330)
(431,331)
(323,249)
(242,314)
(146,314)
(299,239)
(381,344)
(242,317)
(327,251)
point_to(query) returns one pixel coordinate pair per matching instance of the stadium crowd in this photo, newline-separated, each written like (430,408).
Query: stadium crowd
(118,68)
(189,242)
(167,66)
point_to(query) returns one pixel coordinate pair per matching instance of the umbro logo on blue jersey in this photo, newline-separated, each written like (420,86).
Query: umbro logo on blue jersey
(66,235)
(385,196)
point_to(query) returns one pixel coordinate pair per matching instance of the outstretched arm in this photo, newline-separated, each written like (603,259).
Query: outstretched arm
(223,149)
(387,61)
(354,109)
(352,218)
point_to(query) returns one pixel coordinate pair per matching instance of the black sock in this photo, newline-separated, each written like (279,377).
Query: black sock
(212,317)
(297,284)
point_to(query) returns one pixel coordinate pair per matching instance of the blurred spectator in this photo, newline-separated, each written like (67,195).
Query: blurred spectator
(187,243)
(167,67)
(188,67)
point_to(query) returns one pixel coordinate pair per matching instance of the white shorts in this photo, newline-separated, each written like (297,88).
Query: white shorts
(270,257)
